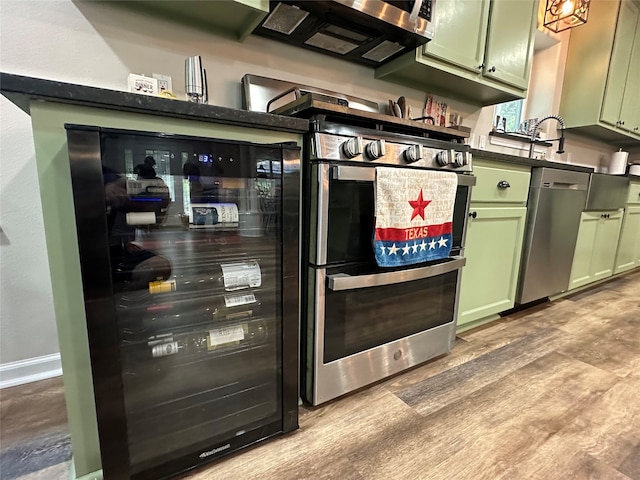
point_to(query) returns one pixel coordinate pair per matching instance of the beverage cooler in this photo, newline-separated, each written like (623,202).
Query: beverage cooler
(189,257)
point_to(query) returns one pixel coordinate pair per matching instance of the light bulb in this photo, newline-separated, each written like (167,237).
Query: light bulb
(567,7)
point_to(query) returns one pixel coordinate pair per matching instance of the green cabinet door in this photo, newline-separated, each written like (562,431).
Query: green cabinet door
(619,66)
(581,267)
(604,249)
(493,249)
(509,50)
(628,256)
(460,33)
(630,111)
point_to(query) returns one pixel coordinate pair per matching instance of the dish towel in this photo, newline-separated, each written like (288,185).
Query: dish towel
(414,213)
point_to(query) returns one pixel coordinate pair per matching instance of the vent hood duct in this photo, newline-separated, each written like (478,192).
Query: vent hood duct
(369,32)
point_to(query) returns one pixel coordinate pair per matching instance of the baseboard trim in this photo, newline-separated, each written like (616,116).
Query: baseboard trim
(30,370)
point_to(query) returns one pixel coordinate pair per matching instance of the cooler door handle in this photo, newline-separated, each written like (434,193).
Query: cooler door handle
(343,281)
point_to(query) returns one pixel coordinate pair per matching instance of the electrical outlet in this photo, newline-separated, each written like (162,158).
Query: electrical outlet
(164,82)
(483,142)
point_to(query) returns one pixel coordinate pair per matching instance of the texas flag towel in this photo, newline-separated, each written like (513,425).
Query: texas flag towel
(414,213)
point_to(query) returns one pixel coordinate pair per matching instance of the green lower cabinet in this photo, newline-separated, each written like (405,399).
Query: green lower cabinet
(493,250)
(595,254)
(628,256)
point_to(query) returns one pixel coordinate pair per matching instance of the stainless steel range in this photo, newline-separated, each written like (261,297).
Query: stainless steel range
(361,322)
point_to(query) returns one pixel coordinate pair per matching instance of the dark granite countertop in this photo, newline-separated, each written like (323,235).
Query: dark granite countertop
(531,162)
(20,90)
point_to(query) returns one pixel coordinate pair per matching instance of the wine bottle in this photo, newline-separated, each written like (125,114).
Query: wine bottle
(167,316)
(250,333)
(230,276)
(225,278)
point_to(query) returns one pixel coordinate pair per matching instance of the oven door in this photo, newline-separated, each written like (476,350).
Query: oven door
(343,214)
(371,324)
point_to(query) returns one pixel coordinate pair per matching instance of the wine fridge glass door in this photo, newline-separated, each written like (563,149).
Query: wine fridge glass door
(193,257)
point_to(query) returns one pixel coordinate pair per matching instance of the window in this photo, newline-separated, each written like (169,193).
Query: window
(512,111)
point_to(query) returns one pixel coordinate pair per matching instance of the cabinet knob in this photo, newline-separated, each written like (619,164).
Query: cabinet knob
(473,214)
(635,129)
(481,66)
(621,122)
(492,69)
(503,184)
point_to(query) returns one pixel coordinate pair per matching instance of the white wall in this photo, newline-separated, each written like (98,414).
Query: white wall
(94,43)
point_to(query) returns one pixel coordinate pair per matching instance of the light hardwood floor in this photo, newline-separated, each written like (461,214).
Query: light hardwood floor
(549,393)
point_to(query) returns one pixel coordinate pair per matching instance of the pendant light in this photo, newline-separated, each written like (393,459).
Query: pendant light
(561,15)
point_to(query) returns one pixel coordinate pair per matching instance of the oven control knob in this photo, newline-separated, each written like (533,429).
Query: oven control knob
(442,158)
(375,149)
(413,153)
(352,147)
(459,159)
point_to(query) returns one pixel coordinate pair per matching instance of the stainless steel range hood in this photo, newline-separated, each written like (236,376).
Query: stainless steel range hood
(369,32)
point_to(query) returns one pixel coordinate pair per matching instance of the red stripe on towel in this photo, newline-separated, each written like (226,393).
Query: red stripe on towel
(412,233)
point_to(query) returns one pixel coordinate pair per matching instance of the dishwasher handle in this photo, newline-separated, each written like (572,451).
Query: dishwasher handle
(563,186)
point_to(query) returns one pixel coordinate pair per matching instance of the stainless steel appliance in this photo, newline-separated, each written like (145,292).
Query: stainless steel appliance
(556,200)
(368,32)
(189,256)
(363,322)
(607,192)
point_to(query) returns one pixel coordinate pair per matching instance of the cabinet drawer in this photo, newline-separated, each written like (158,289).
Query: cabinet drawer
(491,185)
(634,193)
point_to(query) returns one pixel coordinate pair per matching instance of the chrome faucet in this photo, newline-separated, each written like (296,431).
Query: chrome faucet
(532,141)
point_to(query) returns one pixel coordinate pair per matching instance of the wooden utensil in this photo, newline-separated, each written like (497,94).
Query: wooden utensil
(402,103)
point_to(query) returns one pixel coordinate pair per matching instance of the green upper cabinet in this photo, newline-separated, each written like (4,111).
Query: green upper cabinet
(630,108)
(601,90)
(510,42)
(481,52)
(462,31)
(233,18)
(623,47)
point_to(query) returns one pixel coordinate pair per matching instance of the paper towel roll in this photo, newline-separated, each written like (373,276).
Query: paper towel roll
(141,218)
(618,164)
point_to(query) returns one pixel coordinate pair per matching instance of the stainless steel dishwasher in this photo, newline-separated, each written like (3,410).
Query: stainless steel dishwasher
(556,201)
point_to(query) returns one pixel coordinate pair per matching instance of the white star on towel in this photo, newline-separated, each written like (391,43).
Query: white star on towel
(405,249)
(432,244)
(382,248)
(415,248)
(393,249)
(442,242)
(423,246)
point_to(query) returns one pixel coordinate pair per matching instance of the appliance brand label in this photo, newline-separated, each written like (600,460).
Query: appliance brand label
(208,453)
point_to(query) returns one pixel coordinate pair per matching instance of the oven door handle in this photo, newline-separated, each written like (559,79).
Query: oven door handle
(343,281)
(357,174)
(368,174)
